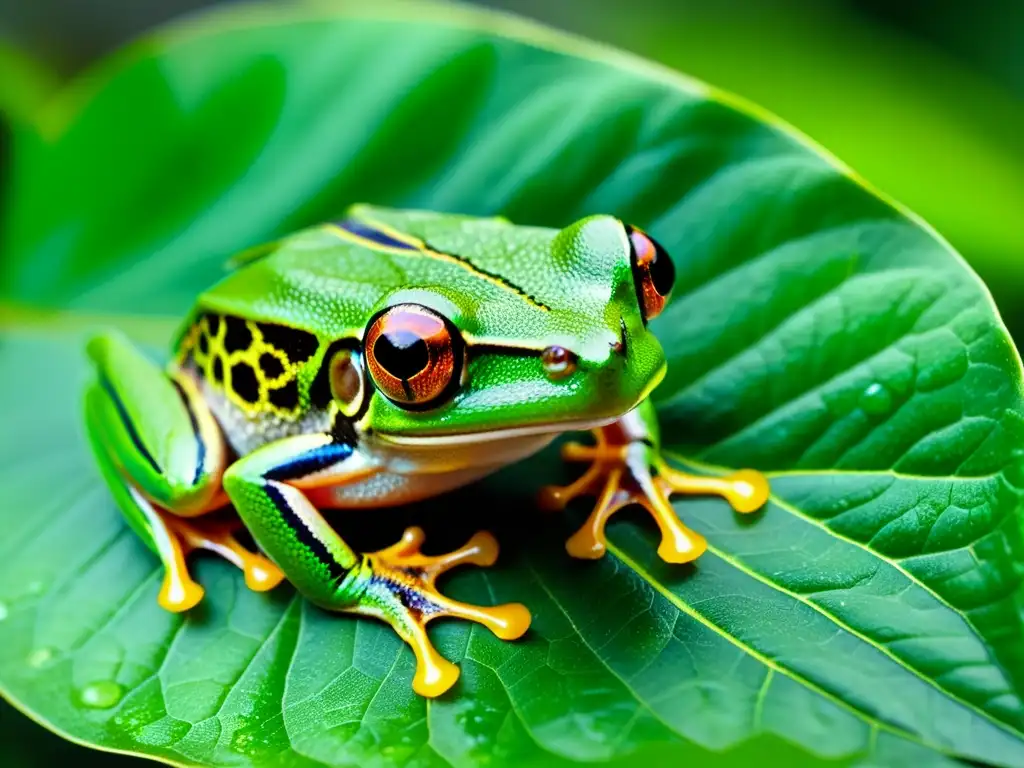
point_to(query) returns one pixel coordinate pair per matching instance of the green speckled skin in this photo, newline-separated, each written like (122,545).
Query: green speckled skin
(571,288)
(257,369)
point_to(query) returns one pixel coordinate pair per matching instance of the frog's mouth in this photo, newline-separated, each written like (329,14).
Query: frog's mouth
(551,429)
(489,436)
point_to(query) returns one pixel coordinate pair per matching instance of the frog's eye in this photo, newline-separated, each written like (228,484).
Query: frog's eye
(653,272)
(413,354)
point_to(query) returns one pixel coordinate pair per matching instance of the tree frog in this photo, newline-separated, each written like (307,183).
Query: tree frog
(384,358)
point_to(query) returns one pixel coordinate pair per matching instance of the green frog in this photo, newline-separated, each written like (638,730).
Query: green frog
(384,358)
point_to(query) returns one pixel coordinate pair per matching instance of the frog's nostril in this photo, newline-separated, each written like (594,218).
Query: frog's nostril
(619,345)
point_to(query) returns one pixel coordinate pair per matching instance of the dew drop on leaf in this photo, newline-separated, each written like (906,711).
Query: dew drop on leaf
(3,611)
(876,400)
(101,695)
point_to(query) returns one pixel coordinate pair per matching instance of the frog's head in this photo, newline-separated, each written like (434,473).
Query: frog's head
(517,331)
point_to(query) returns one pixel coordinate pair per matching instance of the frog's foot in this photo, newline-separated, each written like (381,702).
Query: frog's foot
(179,591)
(627,473)
(401,591)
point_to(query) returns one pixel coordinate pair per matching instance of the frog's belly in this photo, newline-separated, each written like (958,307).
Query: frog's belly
(388,489)
(409,474)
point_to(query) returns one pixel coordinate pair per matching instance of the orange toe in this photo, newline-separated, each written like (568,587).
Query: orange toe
(509,621)
(685,550)
(434,676)
(261,575)
(481,549)
(749,491)
(585,545)
(179,593)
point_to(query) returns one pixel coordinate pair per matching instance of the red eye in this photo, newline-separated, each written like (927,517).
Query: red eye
(412,355)
(654,274)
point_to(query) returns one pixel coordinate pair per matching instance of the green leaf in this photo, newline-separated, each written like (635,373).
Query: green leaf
(935,119)
(869,615)
(24,86)
(24,83)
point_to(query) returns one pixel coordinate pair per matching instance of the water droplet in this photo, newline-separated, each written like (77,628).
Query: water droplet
(876,400)
(40,657)
(101,695)
(4,611)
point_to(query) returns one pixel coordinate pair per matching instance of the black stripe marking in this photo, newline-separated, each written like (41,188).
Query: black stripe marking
(365,229)
(336,570)
(492,275)
(483,348)
(129,426)
(374,235)
(313,461)
(200,445)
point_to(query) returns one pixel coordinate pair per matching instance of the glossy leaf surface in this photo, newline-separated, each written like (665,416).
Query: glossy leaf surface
(868,615)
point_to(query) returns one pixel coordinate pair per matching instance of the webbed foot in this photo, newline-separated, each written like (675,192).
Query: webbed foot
(179,591)
(624,472)
(401,591)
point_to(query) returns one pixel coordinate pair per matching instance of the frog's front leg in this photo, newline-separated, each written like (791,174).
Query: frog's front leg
(395,584)
(626,467)
(162,454)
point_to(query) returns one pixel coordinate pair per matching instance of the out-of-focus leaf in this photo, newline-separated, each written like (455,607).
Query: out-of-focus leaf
(24,83)
(913,120)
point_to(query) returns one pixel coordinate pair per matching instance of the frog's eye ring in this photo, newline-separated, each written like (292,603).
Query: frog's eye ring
(654,274)
(413,354)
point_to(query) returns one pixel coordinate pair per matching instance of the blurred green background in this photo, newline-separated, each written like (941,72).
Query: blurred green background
(923,98)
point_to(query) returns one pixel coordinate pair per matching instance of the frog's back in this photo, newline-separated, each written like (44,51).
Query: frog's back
(328,279)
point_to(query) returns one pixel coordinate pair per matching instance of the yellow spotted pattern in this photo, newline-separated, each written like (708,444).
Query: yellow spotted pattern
(258,376)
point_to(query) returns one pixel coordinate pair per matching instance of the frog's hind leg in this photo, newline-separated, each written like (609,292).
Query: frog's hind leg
(162,455)
(269,488)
